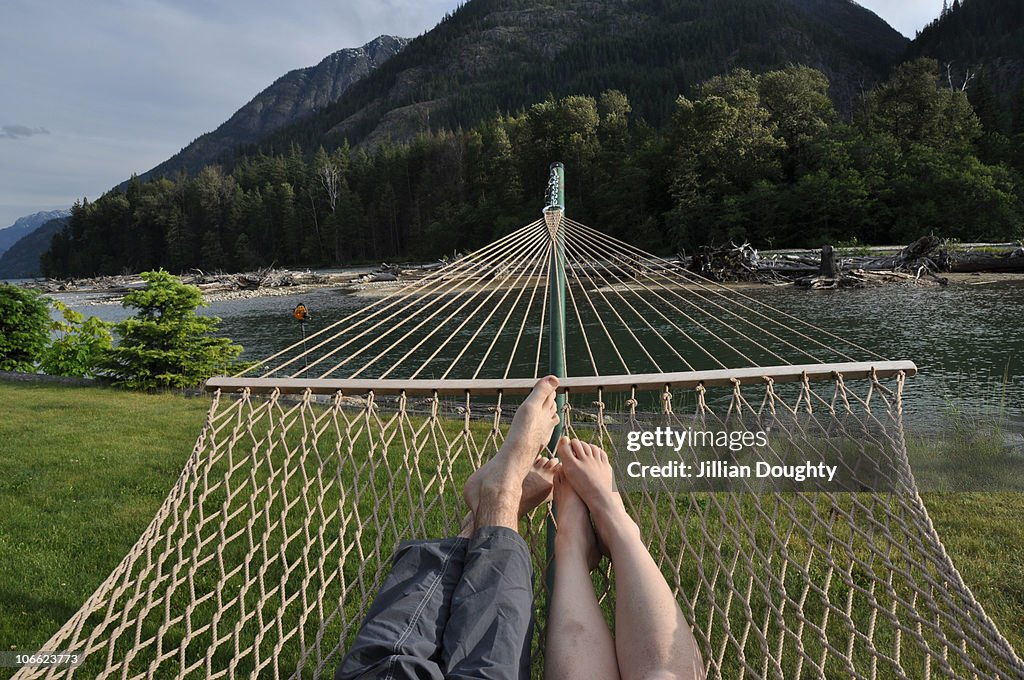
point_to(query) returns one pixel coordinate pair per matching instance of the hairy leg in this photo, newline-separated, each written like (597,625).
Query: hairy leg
(536,490)
(579,644)
(495,491)
(652,637)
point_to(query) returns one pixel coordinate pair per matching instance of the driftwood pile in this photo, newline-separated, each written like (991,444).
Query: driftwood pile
(268,277)
(971,261)
(384,273)
(913,264)
(392,272)
(730,264)
(920,262)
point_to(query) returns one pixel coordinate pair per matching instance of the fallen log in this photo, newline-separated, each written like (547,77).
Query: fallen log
(970,262)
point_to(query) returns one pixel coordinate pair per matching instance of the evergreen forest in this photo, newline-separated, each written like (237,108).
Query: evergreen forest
(764,158)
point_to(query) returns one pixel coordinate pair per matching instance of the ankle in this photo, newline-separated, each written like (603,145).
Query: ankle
(615,527)
(566,545)
(498,507)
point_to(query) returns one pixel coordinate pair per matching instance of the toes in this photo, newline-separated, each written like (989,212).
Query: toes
(545,389)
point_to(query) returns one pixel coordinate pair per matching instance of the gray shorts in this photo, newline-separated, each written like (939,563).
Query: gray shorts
(450,608)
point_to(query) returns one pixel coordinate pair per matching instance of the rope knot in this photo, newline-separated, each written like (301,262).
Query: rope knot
(702,406)
(666,400)
(737,386)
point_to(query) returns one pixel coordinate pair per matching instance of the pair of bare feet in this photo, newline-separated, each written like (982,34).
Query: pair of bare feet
(519,478)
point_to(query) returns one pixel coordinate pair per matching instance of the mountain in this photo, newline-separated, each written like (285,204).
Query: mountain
(26,225)
(292,97)
(974,32)
(21,260)
(985,38)
(503,55)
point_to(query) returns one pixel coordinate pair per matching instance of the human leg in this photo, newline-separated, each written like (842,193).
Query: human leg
(491,623)
(652,637)
(579,645)
(403,631)
(494,492)
(401,635)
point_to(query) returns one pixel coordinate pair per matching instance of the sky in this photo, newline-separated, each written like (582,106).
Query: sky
(95,91)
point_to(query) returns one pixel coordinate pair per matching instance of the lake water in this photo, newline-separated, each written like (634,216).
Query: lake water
(966,340)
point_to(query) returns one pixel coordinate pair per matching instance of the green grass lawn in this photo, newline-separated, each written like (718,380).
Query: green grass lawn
(83,472)
(85,469)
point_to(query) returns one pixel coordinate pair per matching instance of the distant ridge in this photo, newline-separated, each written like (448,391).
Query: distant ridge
(21,260)
(24,226)
(290,98)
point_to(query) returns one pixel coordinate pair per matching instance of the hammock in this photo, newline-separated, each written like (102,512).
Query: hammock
(313,465)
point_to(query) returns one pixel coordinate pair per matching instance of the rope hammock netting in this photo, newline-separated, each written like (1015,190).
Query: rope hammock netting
(315,463)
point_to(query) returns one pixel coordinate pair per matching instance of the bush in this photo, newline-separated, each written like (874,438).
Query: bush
(166,344)
(24,328)
(80,346)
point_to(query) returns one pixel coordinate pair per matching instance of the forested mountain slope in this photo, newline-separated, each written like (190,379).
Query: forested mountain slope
(290,98)
(494,56)
(669,143)
(982,43)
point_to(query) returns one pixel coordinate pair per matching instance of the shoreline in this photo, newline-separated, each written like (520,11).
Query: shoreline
(363,282)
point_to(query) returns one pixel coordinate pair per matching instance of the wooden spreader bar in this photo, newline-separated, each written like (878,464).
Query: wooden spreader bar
(588,384)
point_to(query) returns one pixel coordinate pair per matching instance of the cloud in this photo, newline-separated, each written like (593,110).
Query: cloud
(18,131)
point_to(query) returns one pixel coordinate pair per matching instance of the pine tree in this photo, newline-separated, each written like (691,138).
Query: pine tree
(166,344)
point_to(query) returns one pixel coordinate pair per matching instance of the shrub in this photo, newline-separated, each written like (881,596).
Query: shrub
(80,346)
(24,328)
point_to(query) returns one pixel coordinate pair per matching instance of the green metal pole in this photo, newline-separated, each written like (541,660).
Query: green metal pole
(553,213)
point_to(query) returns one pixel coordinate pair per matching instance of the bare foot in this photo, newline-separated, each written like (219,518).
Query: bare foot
(494,492)
(535,418)
(536,490)
(587,468)
(575,537)
(537,485)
